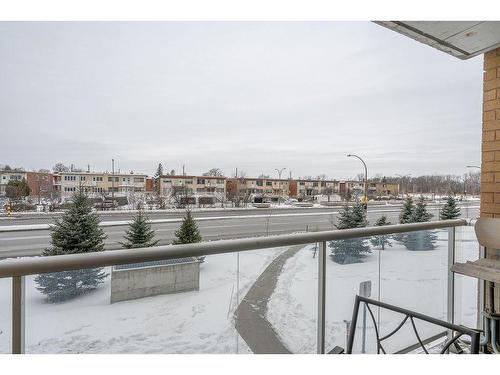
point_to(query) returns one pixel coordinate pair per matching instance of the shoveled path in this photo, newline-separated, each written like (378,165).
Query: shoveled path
(250,316)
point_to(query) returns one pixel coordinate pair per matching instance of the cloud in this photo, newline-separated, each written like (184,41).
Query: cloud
(252,95)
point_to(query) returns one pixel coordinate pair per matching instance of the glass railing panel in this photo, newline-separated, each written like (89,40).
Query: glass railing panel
(153,307)
(414,276)
(213,306)
(352,268)
(293,307)
(6,315)
(466,298)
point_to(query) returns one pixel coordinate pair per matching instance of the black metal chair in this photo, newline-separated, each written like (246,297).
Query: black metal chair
(456,330)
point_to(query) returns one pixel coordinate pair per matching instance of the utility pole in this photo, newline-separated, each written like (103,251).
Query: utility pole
(280,171)
(365,203)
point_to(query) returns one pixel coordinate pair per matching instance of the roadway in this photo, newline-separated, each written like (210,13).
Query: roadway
(213,225)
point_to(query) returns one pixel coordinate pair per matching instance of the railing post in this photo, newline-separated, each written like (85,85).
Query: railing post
(451,277)
(18,291)
(481,295)
(321,298)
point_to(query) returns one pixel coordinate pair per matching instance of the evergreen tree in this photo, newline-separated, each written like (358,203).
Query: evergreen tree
(351,250)
(420,213)
(16,189)
(139,233)
(159,171)
(188,232)
(76,232)
(421,240)
(450,210)
(156,182)
(384,239)
(406,215)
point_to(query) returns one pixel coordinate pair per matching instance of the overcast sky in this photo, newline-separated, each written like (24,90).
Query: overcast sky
(254,95)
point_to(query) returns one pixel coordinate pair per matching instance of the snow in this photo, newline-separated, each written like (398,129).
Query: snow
(202,321)
(192,322)
(416,280)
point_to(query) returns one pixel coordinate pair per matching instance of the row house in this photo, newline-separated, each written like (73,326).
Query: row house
(259,188)
(10,175)
(210,186)
(384,189)
(43,185)
(375,189)
(309,188)
(97,184)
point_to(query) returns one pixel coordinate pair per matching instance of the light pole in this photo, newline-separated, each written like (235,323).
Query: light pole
(280,171)
(365,203)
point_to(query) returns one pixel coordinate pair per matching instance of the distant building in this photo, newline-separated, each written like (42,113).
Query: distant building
(384,189)
(201,190)
(259,189)
(42,185)
(302,189)
(98,184)
(10,175)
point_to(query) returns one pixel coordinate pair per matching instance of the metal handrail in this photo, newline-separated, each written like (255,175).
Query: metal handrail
(461,330)
(57,263)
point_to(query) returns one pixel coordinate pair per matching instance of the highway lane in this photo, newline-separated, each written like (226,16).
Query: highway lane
(47,218)
(33,242)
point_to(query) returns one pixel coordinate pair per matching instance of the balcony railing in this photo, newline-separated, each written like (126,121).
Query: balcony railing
(270,306)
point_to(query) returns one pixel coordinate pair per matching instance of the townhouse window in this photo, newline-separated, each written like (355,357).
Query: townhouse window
(315,184)
(138,179)
(260,183)
(269,183)
(302,183)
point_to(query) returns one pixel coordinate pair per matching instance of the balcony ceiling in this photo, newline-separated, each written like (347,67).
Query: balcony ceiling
(462,39)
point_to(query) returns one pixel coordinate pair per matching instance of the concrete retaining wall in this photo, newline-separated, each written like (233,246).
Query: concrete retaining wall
(145,281)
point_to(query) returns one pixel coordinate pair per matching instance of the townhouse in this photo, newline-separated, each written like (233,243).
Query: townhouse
(43,185)
(258,189)
(204,190)
(98,183)
(309,188)
(10,175)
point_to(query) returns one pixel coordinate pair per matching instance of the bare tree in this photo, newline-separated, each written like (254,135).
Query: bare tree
(60,167)
(214,172)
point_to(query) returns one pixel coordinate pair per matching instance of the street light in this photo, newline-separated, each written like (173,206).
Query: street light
(365,203)
(280,171)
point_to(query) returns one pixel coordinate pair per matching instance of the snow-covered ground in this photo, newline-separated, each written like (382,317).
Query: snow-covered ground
(193,322)
(416,280)
(202,321)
